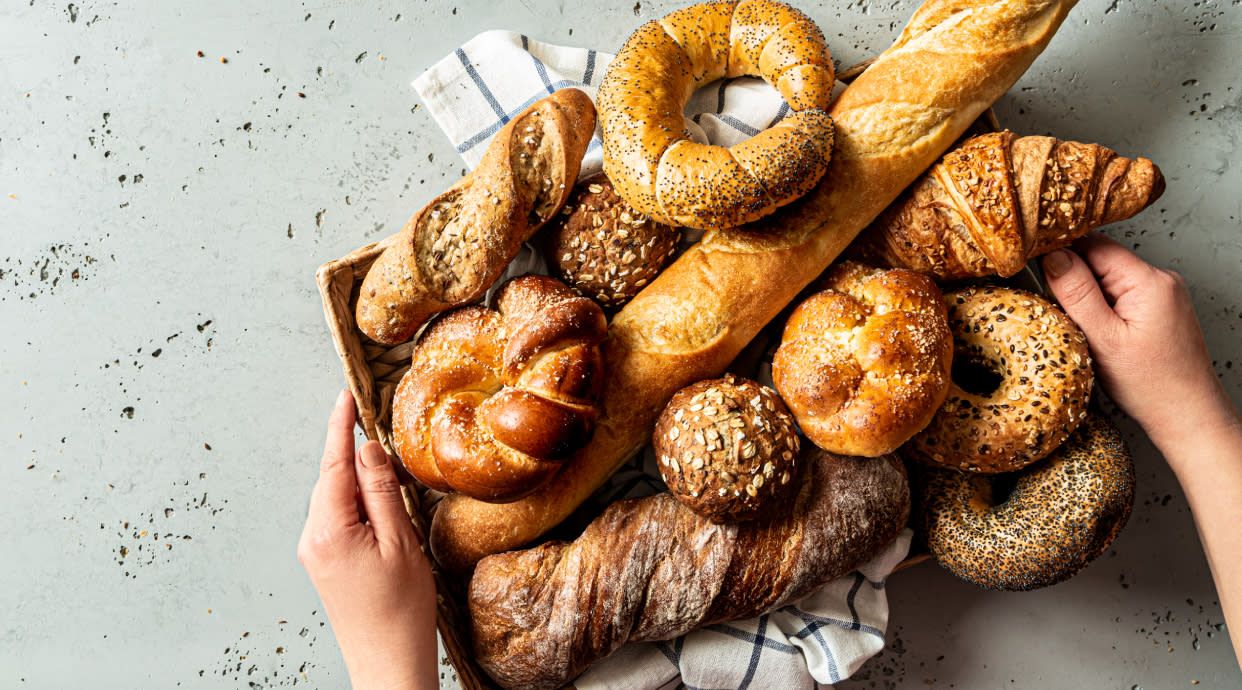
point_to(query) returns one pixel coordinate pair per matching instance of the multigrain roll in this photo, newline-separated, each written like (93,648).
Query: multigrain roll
(727,448)
(865,363)
(1059,515)
(1022,379)
(605,249)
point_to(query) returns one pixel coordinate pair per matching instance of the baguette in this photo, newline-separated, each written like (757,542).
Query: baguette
(651,569)
(458,245)
(954,59)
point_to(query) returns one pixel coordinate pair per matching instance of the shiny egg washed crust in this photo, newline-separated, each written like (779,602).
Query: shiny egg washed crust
(496,400)
(649,155)
(865,363)
(727,448)
(603,248)
(1061,514)
(1046,380)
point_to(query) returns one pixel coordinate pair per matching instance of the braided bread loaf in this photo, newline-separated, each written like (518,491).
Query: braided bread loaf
(494,401)
(652,569)
(458,245)
(865,364)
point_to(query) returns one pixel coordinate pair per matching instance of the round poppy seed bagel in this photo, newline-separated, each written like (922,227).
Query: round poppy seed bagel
(865,364)
(1021,380)
(495,401)
(649,156)
(603,248)
(727,449)
(1059,516)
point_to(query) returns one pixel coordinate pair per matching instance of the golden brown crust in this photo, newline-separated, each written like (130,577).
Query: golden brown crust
(1045,381)
(998,200)
(676,181)
(495,401)
(603,248)
(688,324)
(865,364)
(727,449)
(1059,516)
(458,245)
(651,569)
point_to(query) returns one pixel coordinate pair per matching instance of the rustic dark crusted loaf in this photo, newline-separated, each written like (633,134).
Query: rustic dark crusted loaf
(651,569)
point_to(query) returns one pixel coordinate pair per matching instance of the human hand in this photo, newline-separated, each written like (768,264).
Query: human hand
(366,562)
(1146,341)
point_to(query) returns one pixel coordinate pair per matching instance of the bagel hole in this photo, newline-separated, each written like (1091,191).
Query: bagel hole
(1002,487)
(976,375)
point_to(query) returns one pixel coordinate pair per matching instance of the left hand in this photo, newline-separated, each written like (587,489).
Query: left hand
(366,562)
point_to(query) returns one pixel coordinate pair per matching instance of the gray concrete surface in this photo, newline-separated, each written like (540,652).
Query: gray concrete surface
(166,372)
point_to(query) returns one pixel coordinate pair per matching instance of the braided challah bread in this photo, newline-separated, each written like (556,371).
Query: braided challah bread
(649,156)
(496,400)
(865,364)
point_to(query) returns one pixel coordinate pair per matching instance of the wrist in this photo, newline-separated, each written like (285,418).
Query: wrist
(1191,437)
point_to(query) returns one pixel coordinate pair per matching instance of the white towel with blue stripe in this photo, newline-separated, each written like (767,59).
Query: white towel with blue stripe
(818,641)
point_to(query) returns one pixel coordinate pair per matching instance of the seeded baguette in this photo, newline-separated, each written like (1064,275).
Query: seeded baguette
(458,245)
(954,59)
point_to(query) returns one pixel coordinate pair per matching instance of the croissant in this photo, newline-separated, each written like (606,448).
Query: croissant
(999,199)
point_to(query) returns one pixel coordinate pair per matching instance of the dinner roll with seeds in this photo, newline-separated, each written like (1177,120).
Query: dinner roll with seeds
(727,449)
(1021,381)
(603,248)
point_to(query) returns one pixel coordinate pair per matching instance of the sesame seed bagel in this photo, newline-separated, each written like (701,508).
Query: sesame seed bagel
(1044,369)
(649,156)
(1060,515)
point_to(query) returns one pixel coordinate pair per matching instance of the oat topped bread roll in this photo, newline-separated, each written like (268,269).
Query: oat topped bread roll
(955,58)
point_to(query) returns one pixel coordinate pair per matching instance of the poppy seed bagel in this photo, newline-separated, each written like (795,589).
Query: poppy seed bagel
(1060,515)
(648,154)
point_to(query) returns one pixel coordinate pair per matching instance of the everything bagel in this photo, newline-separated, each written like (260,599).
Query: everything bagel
(649,156)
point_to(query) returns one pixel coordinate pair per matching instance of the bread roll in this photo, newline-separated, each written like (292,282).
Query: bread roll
(954,59)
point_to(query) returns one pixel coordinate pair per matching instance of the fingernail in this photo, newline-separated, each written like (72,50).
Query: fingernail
(373,455)
(344,396)
(1058,263)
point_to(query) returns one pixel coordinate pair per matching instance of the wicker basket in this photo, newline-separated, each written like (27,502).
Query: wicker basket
(372,372)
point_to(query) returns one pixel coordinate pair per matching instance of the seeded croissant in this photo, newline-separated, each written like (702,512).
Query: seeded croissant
(997,200)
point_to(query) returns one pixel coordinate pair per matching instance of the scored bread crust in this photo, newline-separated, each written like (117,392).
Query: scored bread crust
(893,122)
(649,155)
(458,245)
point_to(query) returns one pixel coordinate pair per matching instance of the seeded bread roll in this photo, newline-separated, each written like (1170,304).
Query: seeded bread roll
(603,248)
(727,449)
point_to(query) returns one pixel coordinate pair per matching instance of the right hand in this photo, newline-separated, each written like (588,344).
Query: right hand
(1146,341)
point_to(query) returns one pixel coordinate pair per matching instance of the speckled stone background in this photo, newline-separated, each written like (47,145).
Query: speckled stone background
(166,372)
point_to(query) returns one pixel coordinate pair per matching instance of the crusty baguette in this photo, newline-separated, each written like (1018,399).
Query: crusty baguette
(458,245)
(652,569)
(946,68)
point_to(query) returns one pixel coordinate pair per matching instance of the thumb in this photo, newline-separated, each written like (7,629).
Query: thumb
(380,492)
(1075,287)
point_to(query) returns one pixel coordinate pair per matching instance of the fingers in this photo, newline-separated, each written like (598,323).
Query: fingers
(380,492)
(332,502)
(1075,287)
(1117,268)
